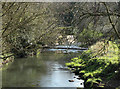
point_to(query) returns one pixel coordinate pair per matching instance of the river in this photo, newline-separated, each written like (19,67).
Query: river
(46,70)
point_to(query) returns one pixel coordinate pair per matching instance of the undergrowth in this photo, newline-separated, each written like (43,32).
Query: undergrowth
(97,63)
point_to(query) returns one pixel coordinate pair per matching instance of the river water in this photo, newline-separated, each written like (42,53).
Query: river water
(46,70)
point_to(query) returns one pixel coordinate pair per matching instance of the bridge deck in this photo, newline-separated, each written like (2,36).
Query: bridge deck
(73,48)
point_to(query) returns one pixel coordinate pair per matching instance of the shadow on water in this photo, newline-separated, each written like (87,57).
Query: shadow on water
(46,70)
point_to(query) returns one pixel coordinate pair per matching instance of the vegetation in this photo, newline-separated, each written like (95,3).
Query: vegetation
(29,27)
(97,67)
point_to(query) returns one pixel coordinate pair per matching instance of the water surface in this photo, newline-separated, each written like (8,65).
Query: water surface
(46,70)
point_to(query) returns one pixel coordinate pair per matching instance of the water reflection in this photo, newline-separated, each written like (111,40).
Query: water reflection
(46,70)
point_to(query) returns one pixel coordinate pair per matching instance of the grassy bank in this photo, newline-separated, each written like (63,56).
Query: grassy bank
(98,65)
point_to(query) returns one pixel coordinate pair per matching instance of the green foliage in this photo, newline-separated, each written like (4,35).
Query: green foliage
(26,26)
(95,69)
(89,37)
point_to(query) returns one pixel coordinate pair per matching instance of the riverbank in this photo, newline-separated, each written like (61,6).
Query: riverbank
(6,61)
(98,65)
